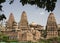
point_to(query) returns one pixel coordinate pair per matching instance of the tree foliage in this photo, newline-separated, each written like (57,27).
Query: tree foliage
(1,1)
(2,17)
(44,34)
(3,37)
(49,5)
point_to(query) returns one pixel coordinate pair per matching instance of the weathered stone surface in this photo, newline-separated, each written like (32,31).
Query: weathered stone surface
(11,24)
(23,24)
(51,26)
(30,32)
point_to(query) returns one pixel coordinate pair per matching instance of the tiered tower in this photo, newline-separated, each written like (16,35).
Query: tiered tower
(11,24)
(23,24)
(51,26)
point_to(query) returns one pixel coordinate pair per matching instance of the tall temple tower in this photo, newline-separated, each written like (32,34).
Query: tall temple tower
(11,24)
(23,24)
(51,26)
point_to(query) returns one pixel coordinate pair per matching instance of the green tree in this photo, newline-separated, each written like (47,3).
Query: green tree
(2,17)
(49,5)
(3,37)
(44,34)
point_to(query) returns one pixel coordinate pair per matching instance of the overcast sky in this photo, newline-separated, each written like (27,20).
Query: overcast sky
(34,14)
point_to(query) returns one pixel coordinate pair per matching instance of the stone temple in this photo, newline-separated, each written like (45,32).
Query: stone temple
(11,25)
(23,31)
(51,26)
(23,24)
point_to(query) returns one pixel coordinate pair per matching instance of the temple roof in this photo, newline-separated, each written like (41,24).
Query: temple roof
(51,19)
(11,18)
(23,21)
(51,22)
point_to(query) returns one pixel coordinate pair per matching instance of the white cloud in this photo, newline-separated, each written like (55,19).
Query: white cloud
(42,13)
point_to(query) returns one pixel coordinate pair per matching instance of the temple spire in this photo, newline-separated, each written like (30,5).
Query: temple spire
(24,17)
(51,18)
(11,18)
(51,21)
(51,26)
(23,22)
(11,22)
